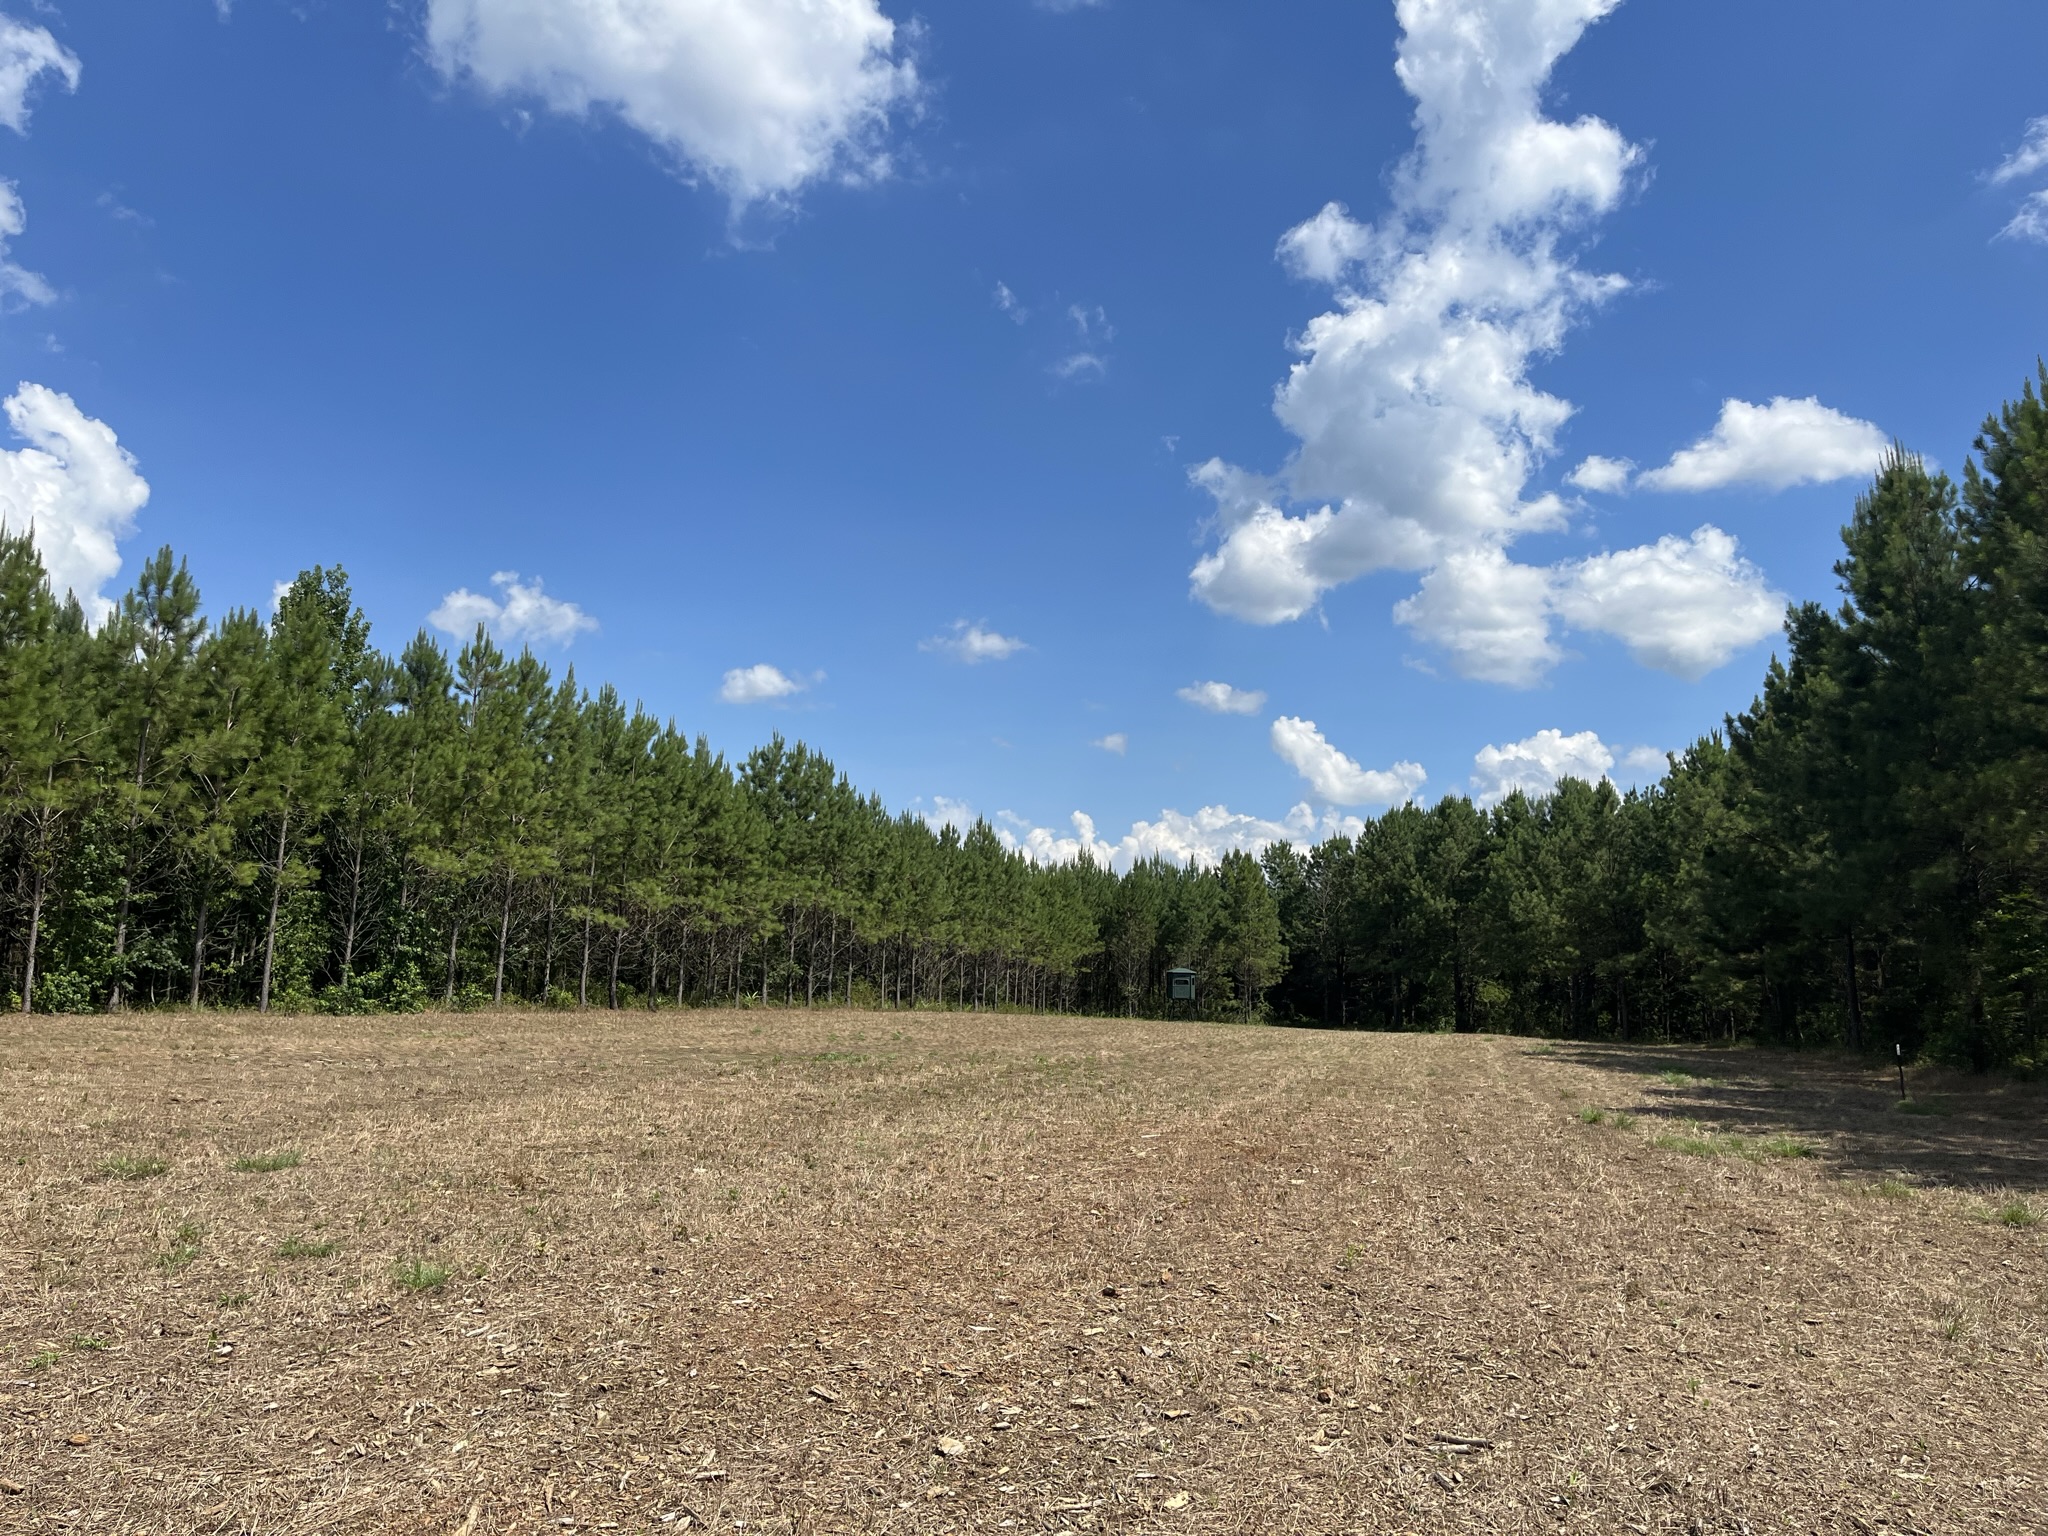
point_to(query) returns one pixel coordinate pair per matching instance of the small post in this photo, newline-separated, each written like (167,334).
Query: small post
(1899,1050)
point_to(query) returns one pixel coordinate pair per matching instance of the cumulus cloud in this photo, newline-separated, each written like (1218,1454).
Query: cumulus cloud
(1535,764)
(1417,426)
(1604,476)
(758,684)
(1682,606)
(1646,762)
(1782,444)
(1338,778)
(521,611)
(1222,699)
(74,488)
(759,99)
(1323,248)
(27,54)
(1115,743)
(16,281)
(1490,613)
(1200,838)
(974,644)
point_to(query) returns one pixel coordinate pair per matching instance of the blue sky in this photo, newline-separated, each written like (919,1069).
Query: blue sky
(863,341)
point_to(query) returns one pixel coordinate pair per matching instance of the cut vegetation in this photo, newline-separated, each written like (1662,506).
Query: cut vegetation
(841,1273)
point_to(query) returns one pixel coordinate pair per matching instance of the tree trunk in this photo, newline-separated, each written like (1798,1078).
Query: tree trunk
(504,931)
(547,959)
(35,929)
(355,904)
(270,931)
(121,926)
(583,977)
(454,938)
(199,946)
(618,950)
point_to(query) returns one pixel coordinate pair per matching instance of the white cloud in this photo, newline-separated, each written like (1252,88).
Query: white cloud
(1222,699)
(1322,248)
(74,487)
(18,281)
(1200,839)
(27,53)
(1682,606)
(2031,222)
(520,611)
(1784,443)
(942,813)
(1010,305)
(1116,743)
(2031,156)
(1417,426)
(1077,365)
(758,98)
(1601,475)
(1491,614)
(1335,777)
(1535,765)
(973,644)
(758,684)
(1646,762)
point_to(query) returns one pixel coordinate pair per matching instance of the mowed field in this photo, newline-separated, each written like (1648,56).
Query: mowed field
(840,1272)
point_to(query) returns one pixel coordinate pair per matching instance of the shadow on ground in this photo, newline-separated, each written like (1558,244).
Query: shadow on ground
(1954,1129)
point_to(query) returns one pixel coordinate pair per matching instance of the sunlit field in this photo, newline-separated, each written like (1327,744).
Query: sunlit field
(838,1272)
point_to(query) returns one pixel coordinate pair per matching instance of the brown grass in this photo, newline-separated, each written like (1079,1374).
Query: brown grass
(836,1272)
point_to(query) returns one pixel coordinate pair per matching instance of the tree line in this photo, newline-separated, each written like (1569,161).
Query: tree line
(272,813)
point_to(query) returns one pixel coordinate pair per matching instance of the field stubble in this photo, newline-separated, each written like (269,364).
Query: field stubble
(839,1272)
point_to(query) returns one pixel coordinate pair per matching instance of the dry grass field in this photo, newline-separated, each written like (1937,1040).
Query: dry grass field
(836,1272)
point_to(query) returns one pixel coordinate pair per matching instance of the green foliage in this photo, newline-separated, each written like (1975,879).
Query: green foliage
(183,1249)
(247,811)
(420,1275)
(304,1248)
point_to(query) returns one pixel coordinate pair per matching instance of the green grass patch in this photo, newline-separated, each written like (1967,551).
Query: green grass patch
(1892,1189)
(1591,1116)
(421,1275)
(268,1162)
(44,1360)
(134,1168)
(1790,1147)
(300,1248)
(235,1299)
(88,1343)
(183,1250)
(1921,1107)
(2017,1214)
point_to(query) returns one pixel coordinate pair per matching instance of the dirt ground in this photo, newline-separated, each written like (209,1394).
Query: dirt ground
(838,1272)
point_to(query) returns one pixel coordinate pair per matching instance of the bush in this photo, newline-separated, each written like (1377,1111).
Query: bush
(62,992)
